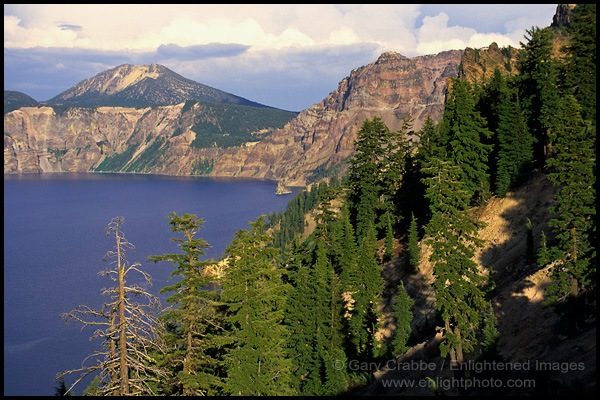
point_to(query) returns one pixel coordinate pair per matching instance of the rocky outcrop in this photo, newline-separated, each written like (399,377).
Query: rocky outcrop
(320,138)
(562,17)
(478,65)
(159,139)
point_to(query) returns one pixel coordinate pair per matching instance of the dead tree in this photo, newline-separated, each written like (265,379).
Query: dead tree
(130,331)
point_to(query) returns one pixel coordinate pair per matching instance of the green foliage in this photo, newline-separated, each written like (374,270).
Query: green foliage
(490,331)
(150,157)
(254,295)
(365,284)
(389,238)
(453,237)
(193,316)
(573,170)
(414,249)
(403,314)
(117,161)
(229,125)
(375,172)
(94,388)
(538,89)
(61,389)
(515,144)
(462,133)
(314,317)
(580,61)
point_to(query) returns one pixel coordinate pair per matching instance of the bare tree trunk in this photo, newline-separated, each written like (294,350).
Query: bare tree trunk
(124,378)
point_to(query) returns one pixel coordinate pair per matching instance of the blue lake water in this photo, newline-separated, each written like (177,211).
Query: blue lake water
(54,244)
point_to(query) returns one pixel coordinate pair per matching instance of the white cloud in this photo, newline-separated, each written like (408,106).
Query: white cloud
(236,47)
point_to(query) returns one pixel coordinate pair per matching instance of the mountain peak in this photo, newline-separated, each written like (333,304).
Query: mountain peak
(130,85)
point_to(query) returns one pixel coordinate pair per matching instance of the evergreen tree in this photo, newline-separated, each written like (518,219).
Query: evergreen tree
(94,388)
(193,314)
(452,234)
(61,389)
(314,315)
(490,331)
(515,143)
(580,61)
(403,314)
(573,169)
(414,250)
(389,238)
(463,132)
(254,295)
(366,287)
(375,173)
(539,92)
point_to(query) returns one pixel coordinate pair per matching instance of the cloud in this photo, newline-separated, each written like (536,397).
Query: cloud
(273,54)
(196,52)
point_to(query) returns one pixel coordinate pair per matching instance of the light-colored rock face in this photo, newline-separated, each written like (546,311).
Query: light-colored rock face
(318,139)
(322,136)
(121,78)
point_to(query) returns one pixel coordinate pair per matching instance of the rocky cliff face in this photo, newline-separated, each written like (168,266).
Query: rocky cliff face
(158,139)
(322,137)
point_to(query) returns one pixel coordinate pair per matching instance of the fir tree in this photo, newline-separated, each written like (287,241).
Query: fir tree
(366,286)
(573,169)
(452,234)
(580,61)
(193,314)
(515,143)
(61,389)
(539,92)
(414,250)
(375,172)
(403,314)
(389,238)
(254,295)
(463,132)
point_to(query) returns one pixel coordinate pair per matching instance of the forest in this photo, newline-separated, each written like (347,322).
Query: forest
(287,309)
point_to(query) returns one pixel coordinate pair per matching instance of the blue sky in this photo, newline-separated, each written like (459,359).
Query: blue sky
(288,56)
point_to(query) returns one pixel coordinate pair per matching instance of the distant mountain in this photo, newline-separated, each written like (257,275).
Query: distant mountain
(142,86)
(14,100)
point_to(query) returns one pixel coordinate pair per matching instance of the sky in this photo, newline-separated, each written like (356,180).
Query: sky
(288,56)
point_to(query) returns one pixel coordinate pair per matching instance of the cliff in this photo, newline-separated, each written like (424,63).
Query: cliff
(165,139)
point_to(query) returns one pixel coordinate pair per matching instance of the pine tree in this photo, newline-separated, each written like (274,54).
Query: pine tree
(573,169)
(414,250)
(314,317)
(463,132)
(366,287)
(539,92)
(515,143)
(375,173)
(389,238)
(61,389)
(254,295)
(580,61)
(403,314)
(452,234)
(193,314)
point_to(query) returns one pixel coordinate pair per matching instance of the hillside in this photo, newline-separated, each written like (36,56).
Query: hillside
(142,86)
(14,100)
(530,334)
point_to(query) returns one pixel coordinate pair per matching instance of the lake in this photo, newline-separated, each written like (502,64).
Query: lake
(54,244)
